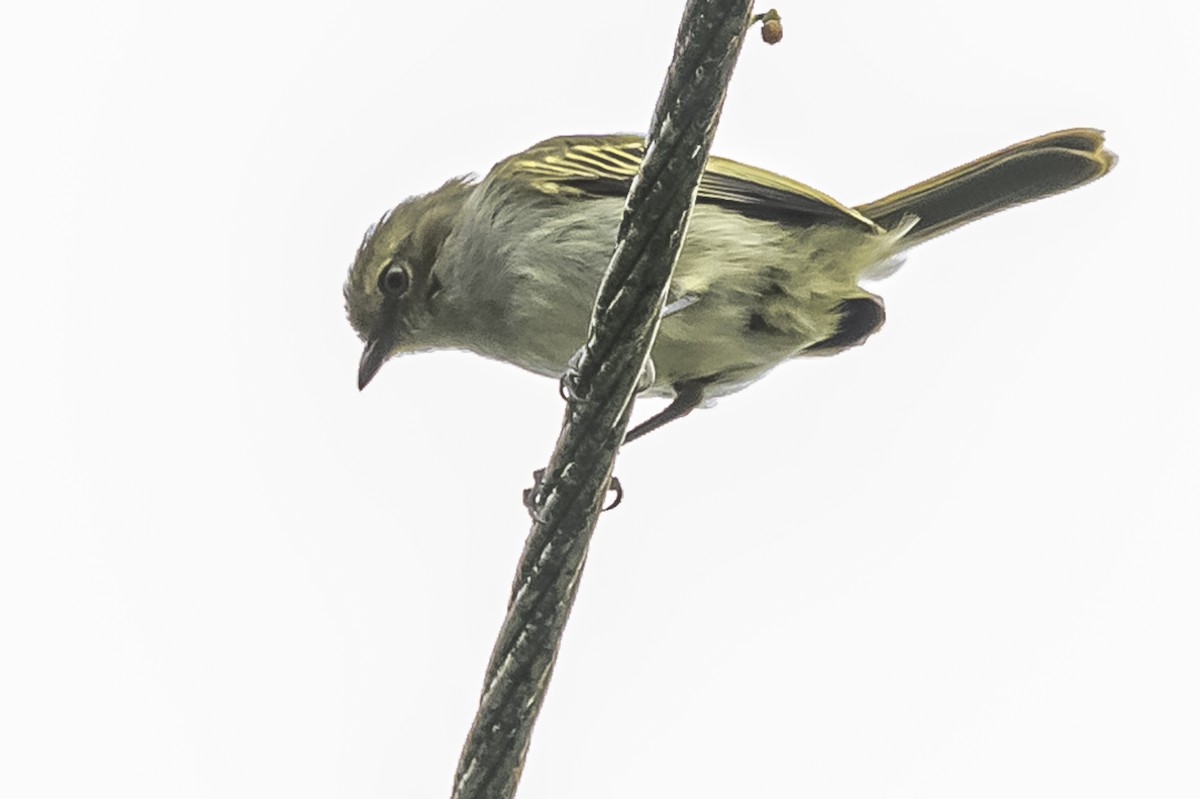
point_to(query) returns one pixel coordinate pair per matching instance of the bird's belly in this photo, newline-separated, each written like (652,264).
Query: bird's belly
(756,293)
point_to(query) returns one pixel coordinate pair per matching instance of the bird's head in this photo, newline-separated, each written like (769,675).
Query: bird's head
(392,290)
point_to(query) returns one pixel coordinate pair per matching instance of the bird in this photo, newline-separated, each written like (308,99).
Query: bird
(770,269)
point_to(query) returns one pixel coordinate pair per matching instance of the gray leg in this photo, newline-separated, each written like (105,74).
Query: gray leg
(688,397)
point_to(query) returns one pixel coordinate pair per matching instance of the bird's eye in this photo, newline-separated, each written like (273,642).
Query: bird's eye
(394,280)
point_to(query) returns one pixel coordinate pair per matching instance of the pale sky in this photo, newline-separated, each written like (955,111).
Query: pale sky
(958,561)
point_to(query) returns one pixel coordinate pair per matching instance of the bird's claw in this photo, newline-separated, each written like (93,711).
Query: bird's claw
(532,497)
(614,485)
(570,376)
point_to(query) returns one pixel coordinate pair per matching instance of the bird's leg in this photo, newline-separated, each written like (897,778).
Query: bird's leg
(688,396)
(678,304)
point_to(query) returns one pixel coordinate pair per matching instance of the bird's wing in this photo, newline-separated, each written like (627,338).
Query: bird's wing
(606,165)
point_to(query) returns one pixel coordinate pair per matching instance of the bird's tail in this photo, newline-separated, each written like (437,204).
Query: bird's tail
(1018,174)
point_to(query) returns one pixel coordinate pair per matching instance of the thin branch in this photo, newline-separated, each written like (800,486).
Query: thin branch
(569,497)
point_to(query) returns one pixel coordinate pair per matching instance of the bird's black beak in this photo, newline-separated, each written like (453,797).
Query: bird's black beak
(374,354)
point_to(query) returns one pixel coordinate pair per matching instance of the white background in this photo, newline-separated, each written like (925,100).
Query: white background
(957,562)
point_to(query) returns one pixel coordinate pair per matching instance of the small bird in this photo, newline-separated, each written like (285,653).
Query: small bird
(508,266)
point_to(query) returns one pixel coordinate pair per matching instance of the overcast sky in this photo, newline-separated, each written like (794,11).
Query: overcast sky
(958,561)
